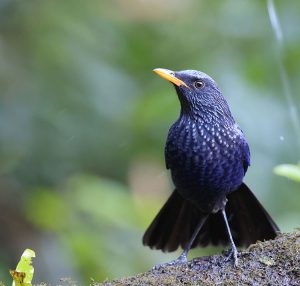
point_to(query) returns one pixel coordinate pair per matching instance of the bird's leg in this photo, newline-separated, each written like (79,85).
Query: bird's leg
(183,256)
(233,251)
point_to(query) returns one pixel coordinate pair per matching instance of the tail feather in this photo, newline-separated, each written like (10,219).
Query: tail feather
(213,232)
(175,223)
(158,233)
(248,219)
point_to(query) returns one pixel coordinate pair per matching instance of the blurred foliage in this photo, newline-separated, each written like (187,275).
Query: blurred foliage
(83,120)
(289,171)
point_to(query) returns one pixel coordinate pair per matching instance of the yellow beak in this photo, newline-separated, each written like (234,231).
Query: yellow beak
(170,76)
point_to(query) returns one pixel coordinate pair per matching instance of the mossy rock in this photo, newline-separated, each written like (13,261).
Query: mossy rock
(273,262)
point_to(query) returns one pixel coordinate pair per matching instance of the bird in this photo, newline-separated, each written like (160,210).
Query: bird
(208,156)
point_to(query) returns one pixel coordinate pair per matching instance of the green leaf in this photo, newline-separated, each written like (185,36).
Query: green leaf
(289,171)
(24,271)
(49,218)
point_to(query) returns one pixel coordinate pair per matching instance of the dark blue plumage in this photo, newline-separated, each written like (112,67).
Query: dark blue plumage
(208,156)
(206,150)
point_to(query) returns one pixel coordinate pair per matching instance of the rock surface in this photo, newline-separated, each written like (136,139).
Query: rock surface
(274,262)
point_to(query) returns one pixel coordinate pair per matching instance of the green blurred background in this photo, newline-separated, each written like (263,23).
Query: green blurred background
(83,121)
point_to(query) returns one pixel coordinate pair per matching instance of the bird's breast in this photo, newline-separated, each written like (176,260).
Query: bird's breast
(204,157)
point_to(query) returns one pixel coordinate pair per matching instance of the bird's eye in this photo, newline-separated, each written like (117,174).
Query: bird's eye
(199,84)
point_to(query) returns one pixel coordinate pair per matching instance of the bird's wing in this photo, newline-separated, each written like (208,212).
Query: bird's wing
(245,149)
(166,157)
(170,146)
(246,156)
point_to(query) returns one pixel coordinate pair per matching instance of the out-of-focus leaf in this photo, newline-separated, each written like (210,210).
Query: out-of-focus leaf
(24,271)
(50,217)
(289,171)
(103,199)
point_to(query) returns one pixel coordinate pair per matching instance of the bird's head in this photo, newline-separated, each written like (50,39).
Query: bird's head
(198,93)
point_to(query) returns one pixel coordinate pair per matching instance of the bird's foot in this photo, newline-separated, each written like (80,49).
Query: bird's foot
(182,259)
(232,253)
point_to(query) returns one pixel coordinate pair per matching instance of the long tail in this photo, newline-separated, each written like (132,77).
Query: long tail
(175,223)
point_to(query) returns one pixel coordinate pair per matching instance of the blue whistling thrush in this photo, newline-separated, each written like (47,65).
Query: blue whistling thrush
(208,156)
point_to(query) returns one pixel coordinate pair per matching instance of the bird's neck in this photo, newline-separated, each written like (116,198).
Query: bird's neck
(207,115)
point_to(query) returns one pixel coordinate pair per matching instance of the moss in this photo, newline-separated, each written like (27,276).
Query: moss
(273,262)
